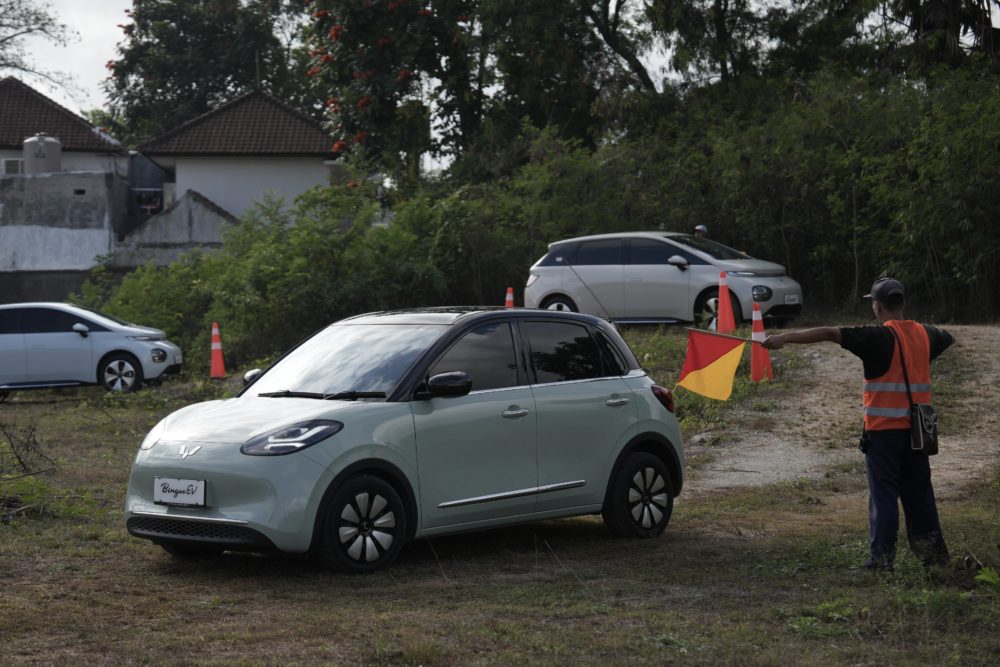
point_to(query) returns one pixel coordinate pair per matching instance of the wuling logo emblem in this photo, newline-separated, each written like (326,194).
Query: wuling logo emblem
(185,452)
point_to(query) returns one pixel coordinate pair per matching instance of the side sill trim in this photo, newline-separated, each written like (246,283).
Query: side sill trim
(520,493)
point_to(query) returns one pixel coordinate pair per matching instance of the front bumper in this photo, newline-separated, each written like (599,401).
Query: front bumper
(197,531)
(251,503)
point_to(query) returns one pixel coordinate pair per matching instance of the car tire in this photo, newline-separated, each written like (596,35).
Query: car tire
(364,527)
(704,309)
(189,552)
(563,303)
(120,372)
(641,498)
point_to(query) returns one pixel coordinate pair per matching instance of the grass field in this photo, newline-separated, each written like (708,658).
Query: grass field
(757,576)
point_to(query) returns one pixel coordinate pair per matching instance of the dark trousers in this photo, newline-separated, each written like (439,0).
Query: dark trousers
(897,474)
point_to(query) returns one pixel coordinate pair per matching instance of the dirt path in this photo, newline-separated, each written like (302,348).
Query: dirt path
(812,426)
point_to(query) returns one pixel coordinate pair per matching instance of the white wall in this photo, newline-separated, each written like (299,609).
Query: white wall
(235,183)
(36,248)
(72,161)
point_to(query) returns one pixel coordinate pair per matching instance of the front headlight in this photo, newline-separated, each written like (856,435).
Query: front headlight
(154,435)
(532,277)
(292,438)
(159,356)
(762,293)
(742,274)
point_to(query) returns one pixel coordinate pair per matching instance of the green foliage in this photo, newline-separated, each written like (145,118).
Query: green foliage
(183,58)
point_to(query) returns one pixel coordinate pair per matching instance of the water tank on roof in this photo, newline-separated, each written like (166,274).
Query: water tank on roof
(42,154)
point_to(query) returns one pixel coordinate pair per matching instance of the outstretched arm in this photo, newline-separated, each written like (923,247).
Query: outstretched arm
(816,335)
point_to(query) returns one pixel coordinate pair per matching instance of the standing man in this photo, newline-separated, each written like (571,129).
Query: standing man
(895,472)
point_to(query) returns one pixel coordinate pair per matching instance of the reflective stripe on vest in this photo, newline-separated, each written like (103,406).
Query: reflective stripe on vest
(886,403)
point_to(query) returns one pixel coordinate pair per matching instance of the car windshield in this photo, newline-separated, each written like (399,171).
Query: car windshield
(710,248)
(349,358)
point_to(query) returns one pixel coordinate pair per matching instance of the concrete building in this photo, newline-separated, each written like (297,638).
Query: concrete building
(235,154)
(92,202)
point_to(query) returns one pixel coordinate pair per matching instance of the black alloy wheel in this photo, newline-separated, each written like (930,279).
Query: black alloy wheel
(365,526)
(641,498)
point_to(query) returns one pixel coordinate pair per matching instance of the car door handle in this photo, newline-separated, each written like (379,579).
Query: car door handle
(514,413)
(616,402)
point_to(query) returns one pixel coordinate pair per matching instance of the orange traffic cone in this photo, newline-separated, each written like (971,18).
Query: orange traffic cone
(218,368)
(725,323)
(760,358)
(509,302)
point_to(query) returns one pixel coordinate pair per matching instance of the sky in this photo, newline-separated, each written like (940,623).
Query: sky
(83,58)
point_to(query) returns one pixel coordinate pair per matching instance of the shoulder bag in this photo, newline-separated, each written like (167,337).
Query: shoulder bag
(923,418)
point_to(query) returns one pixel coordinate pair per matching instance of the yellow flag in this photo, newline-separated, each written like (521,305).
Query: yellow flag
(711,364)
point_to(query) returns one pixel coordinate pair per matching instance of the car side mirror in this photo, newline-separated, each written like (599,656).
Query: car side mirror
(250,376)
(81,329)
(449,385)
(678,261)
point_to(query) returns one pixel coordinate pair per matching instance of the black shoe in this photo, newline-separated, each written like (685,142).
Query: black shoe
(872,565)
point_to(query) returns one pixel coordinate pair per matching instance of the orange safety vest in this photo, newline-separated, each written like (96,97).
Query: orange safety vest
(886,403)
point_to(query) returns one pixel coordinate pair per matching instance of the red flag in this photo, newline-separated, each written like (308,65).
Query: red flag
(711,363)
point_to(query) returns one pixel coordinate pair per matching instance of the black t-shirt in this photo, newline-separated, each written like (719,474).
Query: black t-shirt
(873,344)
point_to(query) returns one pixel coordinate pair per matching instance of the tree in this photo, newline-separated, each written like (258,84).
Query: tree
(459,77)
(20,19)
(183,58)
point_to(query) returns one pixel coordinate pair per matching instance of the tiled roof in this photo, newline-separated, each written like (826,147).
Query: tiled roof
(254,124)
(24,112)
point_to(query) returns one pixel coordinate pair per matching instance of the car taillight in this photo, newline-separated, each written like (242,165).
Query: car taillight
(664,396)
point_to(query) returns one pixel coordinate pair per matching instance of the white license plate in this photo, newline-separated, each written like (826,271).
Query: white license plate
(791,298)
(180,492)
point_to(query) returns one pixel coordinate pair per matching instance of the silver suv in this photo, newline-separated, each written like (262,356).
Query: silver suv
(59,345)
(657,277)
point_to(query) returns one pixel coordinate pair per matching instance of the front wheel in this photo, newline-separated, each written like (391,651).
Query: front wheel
(641,497)
(707,305)
(120,372)
(365,526)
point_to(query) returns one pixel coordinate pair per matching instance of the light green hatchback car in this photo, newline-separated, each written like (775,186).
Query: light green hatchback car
(392,426)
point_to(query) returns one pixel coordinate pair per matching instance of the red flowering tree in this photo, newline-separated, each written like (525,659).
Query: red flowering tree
(382,65)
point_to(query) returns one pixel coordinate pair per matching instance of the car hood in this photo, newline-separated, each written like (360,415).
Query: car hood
(136,330)
(759,266)
(236,420)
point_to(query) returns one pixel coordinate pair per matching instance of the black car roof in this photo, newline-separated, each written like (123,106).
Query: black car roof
(449,315)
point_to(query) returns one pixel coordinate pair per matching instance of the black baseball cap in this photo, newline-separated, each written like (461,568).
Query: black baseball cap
(887,290)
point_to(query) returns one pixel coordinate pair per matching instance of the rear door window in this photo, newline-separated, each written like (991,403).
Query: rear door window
(486,354)
(598,253)
(562,351)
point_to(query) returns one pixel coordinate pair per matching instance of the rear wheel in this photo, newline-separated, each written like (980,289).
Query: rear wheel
(365,526)
(120,372)
(641,498)
(560,303)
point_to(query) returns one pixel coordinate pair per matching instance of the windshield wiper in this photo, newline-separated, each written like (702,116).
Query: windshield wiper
(339,396)
(287,393)
(353,395)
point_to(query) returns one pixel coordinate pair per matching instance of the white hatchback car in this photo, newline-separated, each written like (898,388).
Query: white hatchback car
(657,277)
(61,345)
